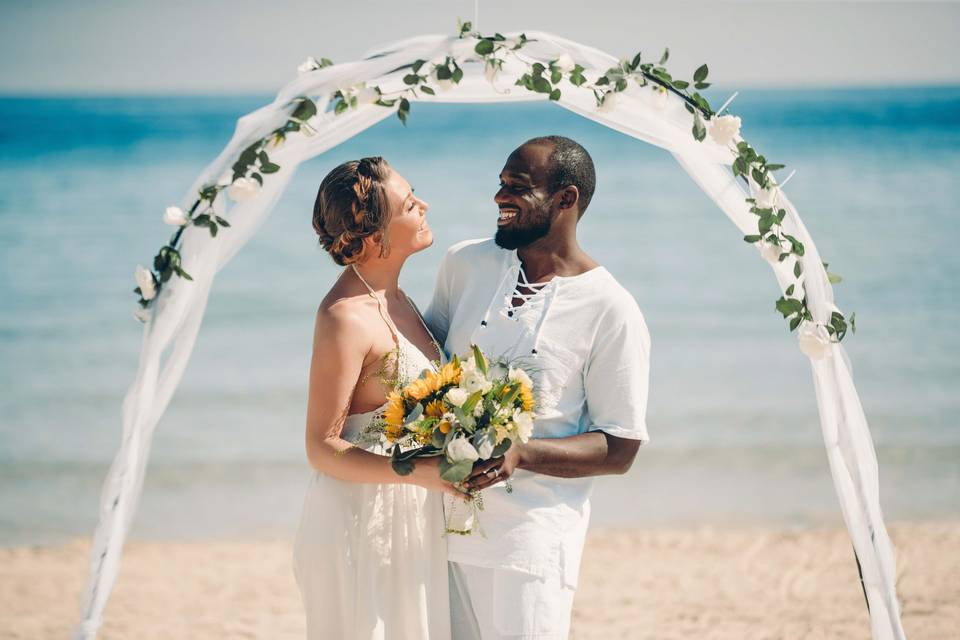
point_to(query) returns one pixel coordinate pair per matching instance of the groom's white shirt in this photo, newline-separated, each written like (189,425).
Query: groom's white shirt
(587,343)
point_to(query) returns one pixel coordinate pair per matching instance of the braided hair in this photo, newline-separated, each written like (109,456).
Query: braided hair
(352,205)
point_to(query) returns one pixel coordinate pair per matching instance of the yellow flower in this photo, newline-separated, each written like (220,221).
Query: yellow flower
(393,415)
(449,373)
(526,398)
(435,409)
(444,427)
(423,387)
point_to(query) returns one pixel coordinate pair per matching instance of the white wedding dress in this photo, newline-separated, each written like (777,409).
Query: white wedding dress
(371,559)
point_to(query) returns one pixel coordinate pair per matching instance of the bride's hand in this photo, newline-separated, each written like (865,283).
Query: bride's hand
(426,473)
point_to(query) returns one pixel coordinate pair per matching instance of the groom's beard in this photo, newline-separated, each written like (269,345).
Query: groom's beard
(511,238)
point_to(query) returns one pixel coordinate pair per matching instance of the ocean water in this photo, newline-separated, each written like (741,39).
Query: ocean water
(732,415)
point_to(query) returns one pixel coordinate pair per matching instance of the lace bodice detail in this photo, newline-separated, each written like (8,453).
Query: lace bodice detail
(363,428)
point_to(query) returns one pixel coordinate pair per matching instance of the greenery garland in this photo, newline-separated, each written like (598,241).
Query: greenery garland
(427,77)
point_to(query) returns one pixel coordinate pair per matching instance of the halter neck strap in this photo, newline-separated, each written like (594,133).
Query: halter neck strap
(394,331)
(383,314)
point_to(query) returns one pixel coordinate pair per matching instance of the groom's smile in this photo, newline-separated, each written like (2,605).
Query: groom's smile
(507,214)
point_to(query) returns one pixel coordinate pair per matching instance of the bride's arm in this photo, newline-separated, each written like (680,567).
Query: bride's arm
(341,340)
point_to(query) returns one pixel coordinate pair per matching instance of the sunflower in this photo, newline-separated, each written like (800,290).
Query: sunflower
(423,387)
(394,415)
(449,373)
(435,409)
(526,398)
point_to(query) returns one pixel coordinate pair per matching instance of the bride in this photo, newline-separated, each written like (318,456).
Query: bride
(369,555)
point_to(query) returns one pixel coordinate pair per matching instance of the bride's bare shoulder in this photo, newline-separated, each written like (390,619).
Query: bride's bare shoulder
(344,310)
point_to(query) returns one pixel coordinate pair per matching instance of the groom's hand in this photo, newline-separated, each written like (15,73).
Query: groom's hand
(495,470)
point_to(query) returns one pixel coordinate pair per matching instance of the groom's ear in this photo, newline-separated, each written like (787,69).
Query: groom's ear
(569,197)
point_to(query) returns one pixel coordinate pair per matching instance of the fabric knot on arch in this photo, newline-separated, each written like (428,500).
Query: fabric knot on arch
(327,104)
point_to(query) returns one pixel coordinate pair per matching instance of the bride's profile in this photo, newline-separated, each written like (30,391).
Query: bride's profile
(369,556)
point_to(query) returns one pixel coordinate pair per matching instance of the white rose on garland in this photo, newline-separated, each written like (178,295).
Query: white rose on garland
(148,286)
(655,96)
(564,63)
(766,198)
(814,340)
(445,84)
(308,65)
(460,450)
(724,129)
(609,103)
(771,251)
(244,189)
(367,95)
(175,216)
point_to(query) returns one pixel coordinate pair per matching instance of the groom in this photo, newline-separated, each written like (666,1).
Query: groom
(532,295)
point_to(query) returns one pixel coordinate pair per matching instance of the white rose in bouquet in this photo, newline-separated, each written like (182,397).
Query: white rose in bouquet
(473,380)
(519,375)
(244,189)
(460,450)
(457,396)
(175,216)
(814,340)
(524,424)
(148,286)
(724,129)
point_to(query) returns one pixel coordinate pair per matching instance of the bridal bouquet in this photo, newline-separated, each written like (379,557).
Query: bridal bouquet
(471,410)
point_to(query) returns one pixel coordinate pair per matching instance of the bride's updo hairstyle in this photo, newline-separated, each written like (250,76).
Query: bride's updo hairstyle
(352,205)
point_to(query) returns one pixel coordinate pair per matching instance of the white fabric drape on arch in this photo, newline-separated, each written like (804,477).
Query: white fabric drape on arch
(170,334)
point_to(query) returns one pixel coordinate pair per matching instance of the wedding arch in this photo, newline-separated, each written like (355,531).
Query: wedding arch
(328,103)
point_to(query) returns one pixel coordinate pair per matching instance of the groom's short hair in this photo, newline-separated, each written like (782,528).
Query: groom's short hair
(570,164)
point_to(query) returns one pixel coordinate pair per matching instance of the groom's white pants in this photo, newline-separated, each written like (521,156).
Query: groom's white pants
(497,604)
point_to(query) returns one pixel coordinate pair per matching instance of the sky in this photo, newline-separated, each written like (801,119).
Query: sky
(219,46)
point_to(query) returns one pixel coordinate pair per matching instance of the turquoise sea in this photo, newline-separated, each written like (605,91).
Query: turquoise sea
(733,419)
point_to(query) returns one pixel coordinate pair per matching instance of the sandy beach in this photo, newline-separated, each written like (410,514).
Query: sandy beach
(703,583)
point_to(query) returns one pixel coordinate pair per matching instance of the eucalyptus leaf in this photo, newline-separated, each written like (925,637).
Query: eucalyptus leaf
(501,448)
(457,472)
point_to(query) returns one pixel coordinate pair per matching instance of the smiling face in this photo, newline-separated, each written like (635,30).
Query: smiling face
(524,200)
(407,231)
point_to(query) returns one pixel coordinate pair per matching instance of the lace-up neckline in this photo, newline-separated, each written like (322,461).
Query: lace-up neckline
(523,282)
